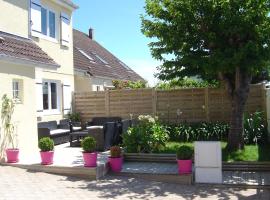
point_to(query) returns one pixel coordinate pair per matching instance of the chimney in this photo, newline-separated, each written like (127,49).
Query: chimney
(91,33)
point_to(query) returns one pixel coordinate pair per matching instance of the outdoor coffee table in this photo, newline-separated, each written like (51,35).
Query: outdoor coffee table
(78,135)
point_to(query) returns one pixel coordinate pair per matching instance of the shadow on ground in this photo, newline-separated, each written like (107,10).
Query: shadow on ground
(133,188)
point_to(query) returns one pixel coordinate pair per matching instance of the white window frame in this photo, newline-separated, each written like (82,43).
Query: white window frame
(19,98)
(47,37)
(48,10)
(51,111)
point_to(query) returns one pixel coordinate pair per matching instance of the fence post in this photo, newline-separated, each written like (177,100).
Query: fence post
(206,103)
(154,101)
(107,102)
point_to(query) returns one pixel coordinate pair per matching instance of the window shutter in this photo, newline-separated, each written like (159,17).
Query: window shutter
(35,17)
(65,29)
(67,98)
(39,95)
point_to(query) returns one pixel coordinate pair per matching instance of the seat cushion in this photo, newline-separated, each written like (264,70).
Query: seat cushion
(75,128)
(59,131)
(94,127)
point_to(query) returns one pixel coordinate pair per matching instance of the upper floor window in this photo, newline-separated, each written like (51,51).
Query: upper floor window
(47,22)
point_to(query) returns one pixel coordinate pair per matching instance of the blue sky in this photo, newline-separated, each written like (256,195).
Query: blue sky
(117,27)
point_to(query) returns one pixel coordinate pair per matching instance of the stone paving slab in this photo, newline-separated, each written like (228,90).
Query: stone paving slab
(20,184)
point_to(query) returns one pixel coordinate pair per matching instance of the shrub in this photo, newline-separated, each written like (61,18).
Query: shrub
(120,84)
(184,152)
(255,130)
(147,136)
(115,151)
(205,131)
(46,144)
(88,144)
(74,117)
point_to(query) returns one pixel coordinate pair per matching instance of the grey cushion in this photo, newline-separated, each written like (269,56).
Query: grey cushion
(76,128)
(52,125)
(59,131)
(94,127)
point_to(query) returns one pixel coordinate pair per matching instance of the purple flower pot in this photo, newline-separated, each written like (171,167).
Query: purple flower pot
(12,155)
(46,157)
(90,159)
(116,164)
(184,166)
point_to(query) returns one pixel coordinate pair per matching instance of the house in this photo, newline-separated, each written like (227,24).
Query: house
(36,63)
(95,67)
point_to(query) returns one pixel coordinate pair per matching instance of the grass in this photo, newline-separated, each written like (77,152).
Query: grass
(250,152)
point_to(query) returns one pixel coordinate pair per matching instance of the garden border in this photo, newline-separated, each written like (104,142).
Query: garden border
(171,158)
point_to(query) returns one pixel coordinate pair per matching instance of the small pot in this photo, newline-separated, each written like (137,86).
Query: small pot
(184,166)
(116,164)
(46,157)
(90,159)
(12,155)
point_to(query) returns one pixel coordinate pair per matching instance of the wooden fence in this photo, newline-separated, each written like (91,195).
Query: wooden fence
(191,104)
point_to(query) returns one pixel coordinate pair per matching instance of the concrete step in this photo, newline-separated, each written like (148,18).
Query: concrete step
(160,172)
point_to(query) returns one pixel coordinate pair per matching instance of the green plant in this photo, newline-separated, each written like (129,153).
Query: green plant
(120,84)
(74,117)
(88,144)
(46,144)
(184,152)
(147,136)
(254,128)
(115,152)
(189,132)
(6,118)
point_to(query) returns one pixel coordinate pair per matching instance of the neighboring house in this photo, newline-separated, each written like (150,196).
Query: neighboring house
(36,62)
(95,67)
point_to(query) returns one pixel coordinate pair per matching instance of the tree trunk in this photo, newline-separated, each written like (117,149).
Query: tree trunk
(238,89)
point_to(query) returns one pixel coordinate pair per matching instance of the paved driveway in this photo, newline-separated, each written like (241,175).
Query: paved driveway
(19,184)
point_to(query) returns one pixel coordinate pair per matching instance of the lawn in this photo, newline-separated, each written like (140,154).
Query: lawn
(250,153)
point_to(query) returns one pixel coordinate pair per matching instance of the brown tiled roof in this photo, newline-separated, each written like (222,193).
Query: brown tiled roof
(13,46)
(113,69)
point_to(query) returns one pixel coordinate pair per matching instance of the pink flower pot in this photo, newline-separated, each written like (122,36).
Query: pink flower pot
(116,164)
(90,159)
(12,155)
(46,157)
(184,166)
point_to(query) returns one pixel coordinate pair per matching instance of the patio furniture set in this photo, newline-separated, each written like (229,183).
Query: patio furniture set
(106,131)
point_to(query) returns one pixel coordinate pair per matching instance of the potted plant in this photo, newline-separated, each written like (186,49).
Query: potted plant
(46,146)
(116,160)
(184,159)
(89,154)
(10,138)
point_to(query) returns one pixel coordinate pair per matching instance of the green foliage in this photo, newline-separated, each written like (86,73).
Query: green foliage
(255,130)
(120,84)
(204,131)
(207,37)
(7,111)
(115,152)
(46,144)
(74,117)
(88,144)
(184,152)
(147,136)
(187,83)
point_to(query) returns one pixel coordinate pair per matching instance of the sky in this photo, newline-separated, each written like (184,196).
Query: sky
(117,27)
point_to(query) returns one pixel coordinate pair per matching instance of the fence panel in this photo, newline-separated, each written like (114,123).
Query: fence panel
(191,104)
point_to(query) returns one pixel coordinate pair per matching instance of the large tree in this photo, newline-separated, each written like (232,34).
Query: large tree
(229,39)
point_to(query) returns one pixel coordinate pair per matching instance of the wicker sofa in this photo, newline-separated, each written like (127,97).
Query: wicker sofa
(58,132)
(104,130)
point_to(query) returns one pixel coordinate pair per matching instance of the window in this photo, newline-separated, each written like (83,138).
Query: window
(48,22)
(124,65)
(17,90)
(86,55)
(50,95)
(101,59)
(98,88)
